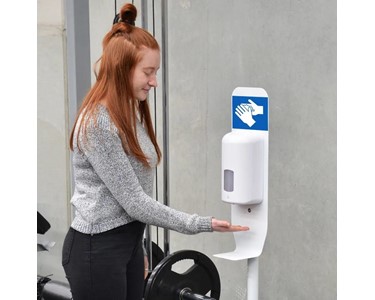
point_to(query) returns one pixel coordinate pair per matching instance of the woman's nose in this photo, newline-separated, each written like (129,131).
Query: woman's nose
(153,82)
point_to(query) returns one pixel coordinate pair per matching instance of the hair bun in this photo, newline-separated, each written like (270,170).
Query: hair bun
(128,14)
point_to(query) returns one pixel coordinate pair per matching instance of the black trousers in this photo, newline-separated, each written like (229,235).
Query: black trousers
(105,266)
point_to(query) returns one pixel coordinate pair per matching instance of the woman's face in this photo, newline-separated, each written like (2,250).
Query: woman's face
(144,76)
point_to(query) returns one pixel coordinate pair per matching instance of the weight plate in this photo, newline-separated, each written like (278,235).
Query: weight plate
(201,278)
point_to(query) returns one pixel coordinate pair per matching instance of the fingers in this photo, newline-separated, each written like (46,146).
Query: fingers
(251,102)
(246,107)
(232,228)
(239,112)
(243,108)
(225,226)
(239,228)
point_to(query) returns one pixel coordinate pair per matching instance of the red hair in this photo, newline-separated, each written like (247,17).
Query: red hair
(121,53)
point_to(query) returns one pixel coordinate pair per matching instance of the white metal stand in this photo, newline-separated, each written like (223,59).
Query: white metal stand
(245,178)
(252,278)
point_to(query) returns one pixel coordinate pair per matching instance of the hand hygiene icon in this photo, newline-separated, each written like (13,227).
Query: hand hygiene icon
(246,112)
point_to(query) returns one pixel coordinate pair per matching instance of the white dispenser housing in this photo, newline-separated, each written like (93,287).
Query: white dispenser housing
(242,168)
(244,178)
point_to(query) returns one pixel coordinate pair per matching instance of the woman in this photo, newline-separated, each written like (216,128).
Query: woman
(114,154)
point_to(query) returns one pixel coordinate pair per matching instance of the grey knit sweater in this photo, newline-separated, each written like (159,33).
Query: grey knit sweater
(113,188)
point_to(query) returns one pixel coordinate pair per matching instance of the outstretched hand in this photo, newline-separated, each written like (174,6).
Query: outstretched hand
(225,226)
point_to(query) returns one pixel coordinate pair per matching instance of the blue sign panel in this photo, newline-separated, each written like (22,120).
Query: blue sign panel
(250,113)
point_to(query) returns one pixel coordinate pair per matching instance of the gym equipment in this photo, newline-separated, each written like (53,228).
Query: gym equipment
(201,278)
(47,288)
(245,177)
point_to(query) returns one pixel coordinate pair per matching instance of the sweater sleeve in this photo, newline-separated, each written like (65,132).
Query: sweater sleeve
(106,155)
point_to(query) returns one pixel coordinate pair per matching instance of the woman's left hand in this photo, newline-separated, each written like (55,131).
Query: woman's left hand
(146,265)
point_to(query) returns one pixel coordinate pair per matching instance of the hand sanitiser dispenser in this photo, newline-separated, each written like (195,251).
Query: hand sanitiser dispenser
(244,178)
(242,168)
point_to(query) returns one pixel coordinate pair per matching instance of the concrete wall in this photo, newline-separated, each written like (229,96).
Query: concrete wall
(289,49)
(53,155)
(286,47)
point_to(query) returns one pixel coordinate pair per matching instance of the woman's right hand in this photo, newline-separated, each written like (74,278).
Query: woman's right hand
(225,226)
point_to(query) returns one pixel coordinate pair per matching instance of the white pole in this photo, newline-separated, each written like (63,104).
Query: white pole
(252,278)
